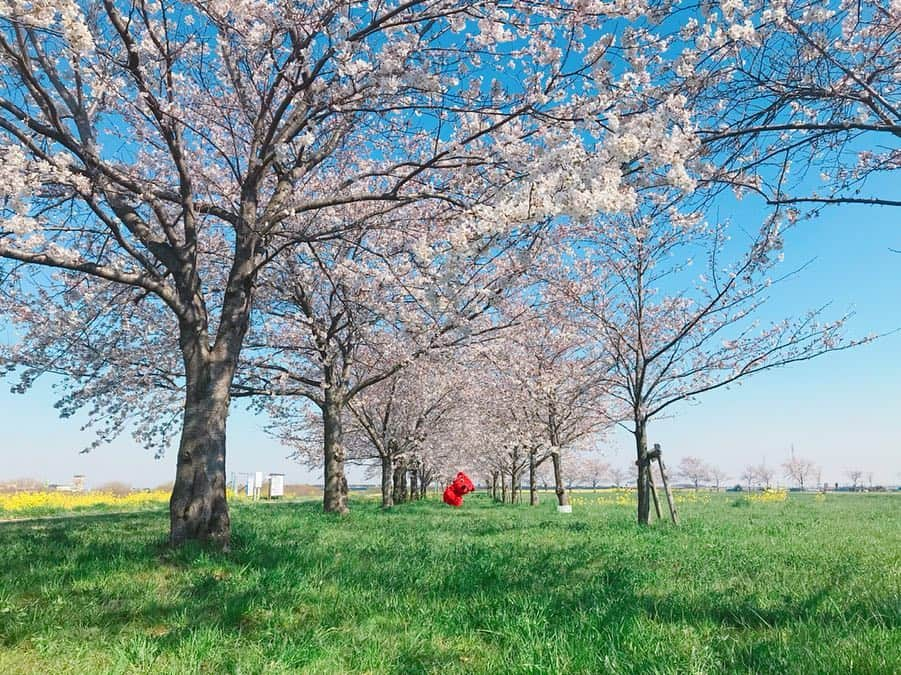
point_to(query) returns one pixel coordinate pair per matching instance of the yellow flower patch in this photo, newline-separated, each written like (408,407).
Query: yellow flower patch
(18,503)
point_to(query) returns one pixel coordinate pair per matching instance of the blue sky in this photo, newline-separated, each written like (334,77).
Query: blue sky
(843,410)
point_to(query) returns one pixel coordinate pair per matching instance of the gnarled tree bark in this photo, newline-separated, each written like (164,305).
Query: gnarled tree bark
(559,488)
(400,481)
(197,507)
(414,484)
(387,497)
(334,498)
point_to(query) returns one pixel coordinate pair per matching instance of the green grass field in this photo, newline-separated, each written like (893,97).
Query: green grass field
(803,586)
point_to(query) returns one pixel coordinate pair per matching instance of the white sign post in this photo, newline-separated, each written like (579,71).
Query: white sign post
(276,485)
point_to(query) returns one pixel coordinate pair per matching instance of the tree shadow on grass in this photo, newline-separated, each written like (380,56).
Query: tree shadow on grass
(734,612)
(787,635)
(80,545)
(435,581)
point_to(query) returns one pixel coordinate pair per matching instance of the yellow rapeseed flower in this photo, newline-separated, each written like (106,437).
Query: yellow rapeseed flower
(769,495)
(28,502)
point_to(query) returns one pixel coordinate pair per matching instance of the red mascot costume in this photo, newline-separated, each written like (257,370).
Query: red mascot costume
(453,494)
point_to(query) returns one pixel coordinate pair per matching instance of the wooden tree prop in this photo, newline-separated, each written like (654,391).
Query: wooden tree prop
(655,454)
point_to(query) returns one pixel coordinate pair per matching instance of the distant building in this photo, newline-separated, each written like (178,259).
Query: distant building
(77,485)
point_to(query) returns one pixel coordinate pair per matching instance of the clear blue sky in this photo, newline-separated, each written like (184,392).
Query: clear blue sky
(844,409)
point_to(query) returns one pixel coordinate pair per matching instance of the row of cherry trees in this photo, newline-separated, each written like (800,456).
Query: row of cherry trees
(420,234)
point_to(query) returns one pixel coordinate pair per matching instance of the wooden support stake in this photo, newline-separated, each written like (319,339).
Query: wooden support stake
(666,488)
(653,490)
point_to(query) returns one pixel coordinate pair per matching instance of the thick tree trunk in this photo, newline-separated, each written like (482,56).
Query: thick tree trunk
(562,497)
(494,486)
(400,482)
(503,488)
(334,498)
(387,498)
(644,467)
(414,485)
(533,483)
(198,509)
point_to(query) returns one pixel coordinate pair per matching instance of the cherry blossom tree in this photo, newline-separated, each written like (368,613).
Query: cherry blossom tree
(855,476)
(800,96)
(501,433)
(750,475)
(296,201)
(402,419)
(765,474)
(591,469)
(799,469)
(718,476)
(620,475)
(554,403)
(668,334)
(694,470)
(176,149)
(349,314)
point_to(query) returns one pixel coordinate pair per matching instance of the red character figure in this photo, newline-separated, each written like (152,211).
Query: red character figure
(453,494)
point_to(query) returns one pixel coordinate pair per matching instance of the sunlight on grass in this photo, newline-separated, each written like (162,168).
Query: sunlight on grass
(799,585)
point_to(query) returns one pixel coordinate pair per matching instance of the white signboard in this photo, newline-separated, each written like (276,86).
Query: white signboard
(276,485)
